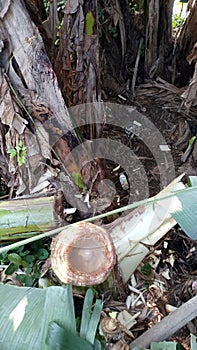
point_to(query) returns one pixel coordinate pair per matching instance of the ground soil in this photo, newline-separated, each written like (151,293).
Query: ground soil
(180,285)
(177,258)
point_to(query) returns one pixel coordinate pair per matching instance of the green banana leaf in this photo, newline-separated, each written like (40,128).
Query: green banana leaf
(186,216)
(168,345)
(59,338)
(44,319)
(26,314)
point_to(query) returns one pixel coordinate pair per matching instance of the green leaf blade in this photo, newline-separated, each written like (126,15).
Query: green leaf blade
(94,320)
(89,23)
(186,217)
(86,312)
(15,258)
(11,269)
(59,338)
(193,342)
(27,312)
(192,181)
(163,345)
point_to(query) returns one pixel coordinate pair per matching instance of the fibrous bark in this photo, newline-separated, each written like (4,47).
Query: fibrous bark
(33,110)
(188,34)
(158,36)
(32,107)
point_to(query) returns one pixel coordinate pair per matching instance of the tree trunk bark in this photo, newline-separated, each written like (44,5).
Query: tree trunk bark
(184,47)
(77,63)
(28,71)
(188,35)
(158,36)
(33,110)
(32,107)
(28,81)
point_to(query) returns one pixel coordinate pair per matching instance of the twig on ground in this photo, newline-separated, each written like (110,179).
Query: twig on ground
(169,325)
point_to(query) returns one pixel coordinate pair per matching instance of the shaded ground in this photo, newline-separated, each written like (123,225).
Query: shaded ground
(172,277)
(168,275)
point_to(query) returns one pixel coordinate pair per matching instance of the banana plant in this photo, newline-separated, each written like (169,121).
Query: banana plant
(35,319)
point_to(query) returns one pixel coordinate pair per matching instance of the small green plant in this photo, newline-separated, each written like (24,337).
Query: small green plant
(19,152)
(146,269)
(60,5)
(177,21)
(114,31)
(89,23)
(24,261)
(78,181)
(136,6)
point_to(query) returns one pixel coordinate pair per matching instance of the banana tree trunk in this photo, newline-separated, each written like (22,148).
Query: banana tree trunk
(25,217)
(28,79)
(32,107)
(158,36)
(77,64)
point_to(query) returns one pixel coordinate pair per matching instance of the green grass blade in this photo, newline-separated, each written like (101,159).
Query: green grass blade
(86,313)
(94,320)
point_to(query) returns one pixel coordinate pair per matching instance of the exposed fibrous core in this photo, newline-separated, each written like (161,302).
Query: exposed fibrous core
(83,254)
